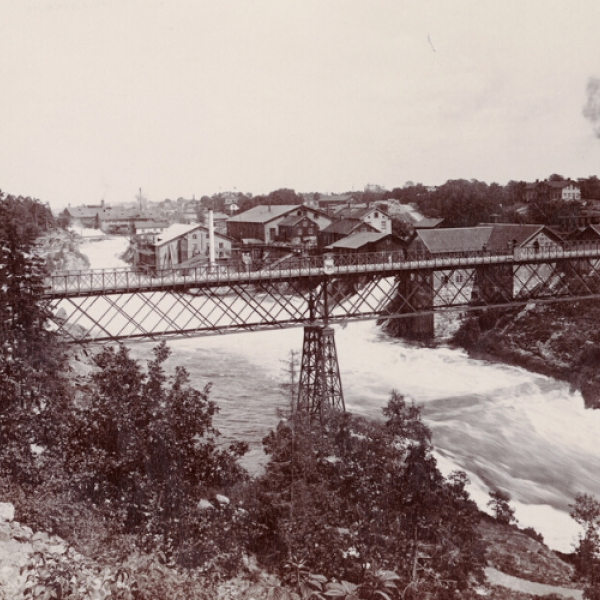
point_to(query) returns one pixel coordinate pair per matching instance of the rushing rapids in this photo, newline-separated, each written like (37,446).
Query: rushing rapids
(506,427)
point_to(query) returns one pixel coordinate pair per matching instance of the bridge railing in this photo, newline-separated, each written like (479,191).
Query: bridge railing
(125,279)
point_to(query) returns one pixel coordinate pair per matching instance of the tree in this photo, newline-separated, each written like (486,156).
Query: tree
(354,492)
(144,445)
(32,360)
(499,504)
(402,229)
(586,512)
(590,187)
(64,219)
(464,203)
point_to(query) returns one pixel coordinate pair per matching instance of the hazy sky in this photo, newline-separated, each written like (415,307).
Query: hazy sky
(182,97)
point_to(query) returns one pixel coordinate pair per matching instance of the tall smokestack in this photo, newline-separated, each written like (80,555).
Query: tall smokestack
(211,237)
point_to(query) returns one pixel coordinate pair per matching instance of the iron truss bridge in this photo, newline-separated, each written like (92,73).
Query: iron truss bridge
(121,304)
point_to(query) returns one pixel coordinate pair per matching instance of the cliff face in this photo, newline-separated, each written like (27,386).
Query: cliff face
(561,340)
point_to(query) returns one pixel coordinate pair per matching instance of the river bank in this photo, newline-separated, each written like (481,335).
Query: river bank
(560,340)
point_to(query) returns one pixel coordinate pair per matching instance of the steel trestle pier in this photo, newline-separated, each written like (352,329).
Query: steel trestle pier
(320,382)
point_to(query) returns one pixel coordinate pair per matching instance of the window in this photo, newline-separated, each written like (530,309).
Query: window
(376,215)
(194,236)
(445,279)
(220,244)
(458,278)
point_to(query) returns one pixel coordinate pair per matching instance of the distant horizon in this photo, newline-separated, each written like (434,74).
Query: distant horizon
(133,199)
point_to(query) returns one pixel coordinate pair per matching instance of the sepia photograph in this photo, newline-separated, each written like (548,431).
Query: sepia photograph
(299,300)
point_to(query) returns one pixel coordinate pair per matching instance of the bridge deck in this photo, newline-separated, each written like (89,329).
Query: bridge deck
(109,281)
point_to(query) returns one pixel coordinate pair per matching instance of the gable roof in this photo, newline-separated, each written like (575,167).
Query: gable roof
(292,220)
(358,213)
(174,231)
(460,239)
(427,223)
(178,230)
(359,239)
(337,198)
(494,237)
(346,226)
(79,212)
(263,213)
(561,184)
(504,234)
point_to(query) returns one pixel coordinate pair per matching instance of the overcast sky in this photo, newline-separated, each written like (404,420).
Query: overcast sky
(179,97)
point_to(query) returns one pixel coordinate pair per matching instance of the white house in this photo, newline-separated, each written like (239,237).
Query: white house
(564,190)
(371,215)
(181,242)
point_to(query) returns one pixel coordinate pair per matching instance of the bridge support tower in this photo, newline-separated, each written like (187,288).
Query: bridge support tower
(320,387)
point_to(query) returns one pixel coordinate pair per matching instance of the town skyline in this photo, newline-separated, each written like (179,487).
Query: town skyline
(189,99)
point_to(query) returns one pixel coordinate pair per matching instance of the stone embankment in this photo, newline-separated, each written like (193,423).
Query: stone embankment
(561,340)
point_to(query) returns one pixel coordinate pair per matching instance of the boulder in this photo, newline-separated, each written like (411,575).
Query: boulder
(7,512)
(204,505)
(222,499)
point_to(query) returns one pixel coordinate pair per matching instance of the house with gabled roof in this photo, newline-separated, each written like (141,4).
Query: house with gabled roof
(178,244)
(541,191)
(494,283)
(341,229)
(298,230)
(333,202)
(373,215)
(367,241)
(499,238)
(262,222)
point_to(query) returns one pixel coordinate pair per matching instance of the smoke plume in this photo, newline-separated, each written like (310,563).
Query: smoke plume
(591,110)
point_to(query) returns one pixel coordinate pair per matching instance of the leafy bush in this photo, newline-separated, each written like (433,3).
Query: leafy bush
(355,493)
(70,576)
(143,449)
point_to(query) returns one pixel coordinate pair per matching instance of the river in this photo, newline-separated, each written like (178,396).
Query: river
(522,432)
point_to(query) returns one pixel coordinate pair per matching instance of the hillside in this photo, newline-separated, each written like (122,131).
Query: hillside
(29,557)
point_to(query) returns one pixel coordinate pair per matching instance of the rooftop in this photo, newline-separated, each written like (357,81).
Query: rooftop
(345,226)
(359,239)
(492,237)
(263,213)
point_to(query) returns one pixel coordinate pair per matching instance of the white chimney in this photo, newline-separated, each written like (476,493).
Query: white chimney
(211,237)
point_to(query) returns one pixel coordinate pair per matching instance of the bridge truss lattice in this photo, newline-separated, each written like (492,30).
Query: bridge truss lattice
(110,305)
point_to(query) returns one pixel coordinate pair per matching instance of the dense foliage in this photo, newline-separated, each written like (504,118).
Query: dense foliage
(357,493)
(586,512)
(143,447)
(32,389)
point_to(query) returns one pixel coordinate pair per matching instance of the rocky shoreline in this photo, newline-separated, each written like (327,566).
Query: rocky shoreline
(559,340)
